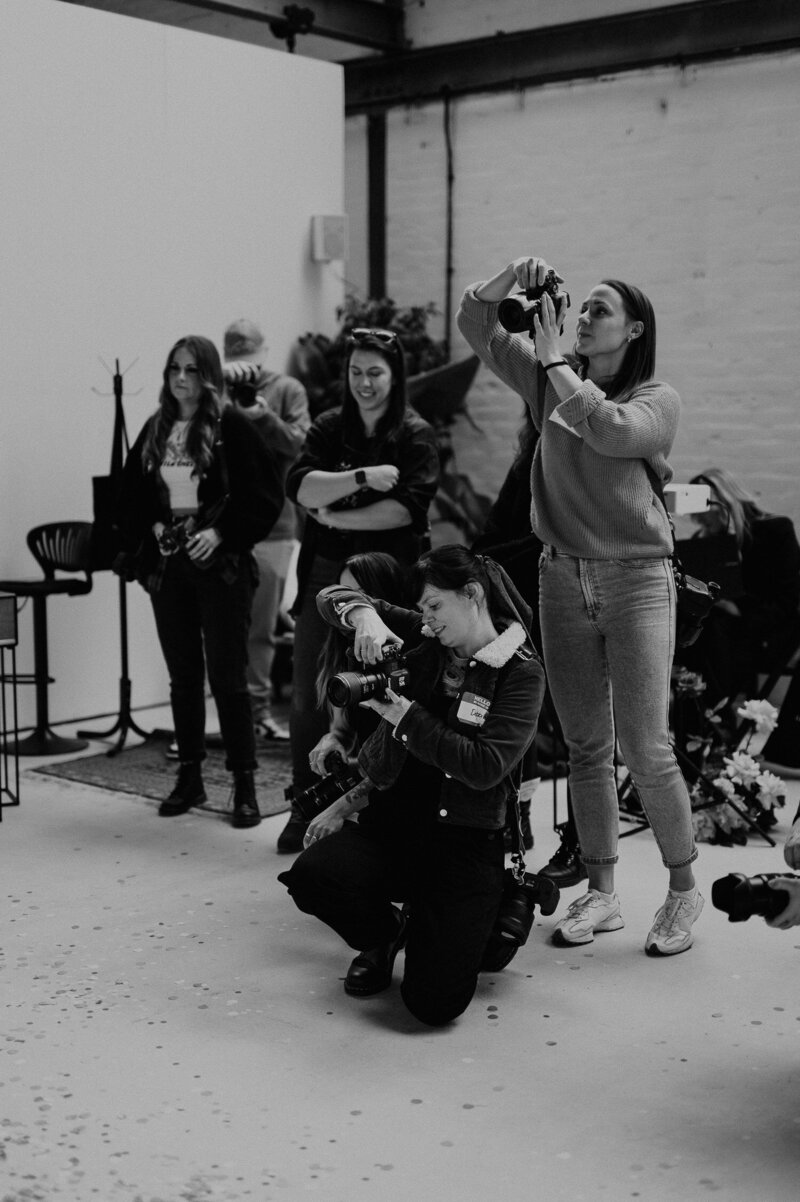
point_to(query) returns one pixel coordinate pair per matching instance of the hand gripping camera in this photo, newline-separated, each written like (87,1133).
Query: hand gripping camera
(348,688)
(740,897)
(341,778)
(242,381)
(517,316)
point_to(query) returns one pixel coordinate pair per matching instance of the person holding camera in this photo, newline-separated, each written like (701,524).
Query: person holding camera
(198,490)
(366,477)
(438,775)
(607,594)
(277,406)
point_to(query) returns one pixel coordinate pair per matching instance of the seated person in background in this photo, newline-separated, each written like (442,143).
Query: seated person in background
(755,632)
(379,575)
(277,406)
(438,774)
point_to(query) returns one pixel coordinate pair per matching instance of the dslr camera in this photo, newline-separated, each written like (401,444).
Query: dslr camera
(348,688)
(740,896)
(175,536)
(517,315)
(242,381)
(695,602)
(341,778)
(521,894)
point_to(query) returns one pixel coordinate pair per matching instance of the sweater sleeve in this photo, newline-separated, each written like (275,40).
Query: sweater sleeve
(637,428)
(511,357)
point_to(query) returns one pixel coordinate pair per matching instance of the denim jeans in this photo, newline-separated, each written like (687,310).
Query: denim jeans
(202,620)
(608,637)
(273,559)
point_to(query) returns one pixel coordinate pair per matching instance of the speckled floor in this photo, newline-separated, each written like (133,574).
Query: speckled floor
(174,1031)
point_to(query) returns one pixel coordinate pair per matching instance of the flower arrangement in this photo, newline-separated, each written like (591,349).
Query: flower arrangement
(732,785)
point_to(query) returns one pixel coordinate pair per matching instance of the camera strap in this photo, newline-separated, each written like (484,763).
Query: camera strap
(514,821)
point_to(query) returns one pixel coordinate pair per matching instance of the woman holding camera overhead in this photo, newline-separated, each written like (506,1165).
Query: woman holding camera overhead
(365,478)
(607,594)
(438,775)
(199,488)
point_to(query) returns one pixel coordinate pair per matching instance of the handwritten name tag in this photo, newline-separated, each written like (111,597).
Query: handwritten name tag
(473,709)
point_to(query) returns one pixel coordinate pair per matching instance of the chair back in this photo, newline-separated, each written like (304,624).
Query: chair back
(63,547)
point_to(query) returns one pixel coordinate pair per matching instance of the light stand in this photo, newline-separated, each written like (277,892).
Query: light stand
(106,489)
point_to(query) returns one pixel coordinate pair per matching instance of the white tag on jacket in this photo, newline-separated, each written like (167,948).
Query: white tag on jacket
(473,709)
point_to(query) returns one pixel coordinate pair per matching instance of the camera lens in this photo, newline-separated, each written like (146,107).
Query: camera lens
(348,688)
(515,315)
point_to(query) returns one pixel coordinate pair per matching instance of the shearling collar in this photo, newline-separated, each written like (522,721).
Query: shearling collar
(499,651)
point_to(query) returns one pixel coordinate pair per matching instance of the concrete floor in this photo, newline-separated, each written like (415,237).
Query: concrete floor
(175,1031)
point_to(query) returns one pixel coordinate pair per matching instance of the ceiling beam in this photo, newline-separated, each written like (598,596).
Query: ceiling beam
(371,23)
(679,33)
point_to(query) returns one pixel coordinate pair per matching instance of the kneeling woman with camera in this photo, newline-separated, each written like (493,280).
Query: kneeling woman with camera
(438,775)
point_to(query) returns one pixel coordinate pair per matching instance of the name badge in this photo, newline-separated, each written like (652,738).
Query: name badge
(473,709)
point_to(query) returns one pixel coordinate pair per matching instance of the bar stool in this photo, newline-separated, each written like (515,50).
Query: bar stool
(62,547)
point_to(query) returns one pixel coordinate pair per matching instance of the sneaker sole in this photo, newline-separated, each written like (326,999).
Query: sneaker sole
(610,924)
(657,953)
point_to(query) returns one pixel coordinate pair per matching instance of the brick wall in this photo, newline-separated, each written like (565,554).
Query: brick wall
(684,182)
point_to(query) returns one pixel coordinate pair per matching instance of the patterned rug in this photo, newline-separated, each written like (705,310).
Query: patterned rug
(145,771)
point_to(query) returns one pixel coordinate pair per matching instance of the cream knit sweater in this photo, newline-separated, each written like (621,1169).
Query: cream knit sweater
(590,493)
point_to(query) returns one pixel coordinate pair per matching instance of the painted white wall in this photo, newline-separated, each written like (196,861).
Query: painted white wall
(155,182)
(685,182)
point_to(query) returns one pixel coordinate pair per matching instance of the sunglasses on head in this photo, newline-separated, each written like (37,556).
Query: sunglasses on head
(362,333)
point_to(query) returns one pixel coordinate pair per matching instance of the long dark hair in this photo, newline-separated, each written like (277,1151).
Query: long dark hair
(386,344)
(450,567)
(639,362)
(202,431)
(379,575)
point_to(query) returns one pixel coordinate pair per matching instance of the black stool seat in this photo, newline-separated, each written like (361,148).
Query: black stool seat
(64,547)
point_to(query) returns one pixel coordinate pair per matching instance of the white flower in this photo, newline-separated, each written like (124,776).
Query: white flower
(426,631)
(764,715)
(725,786)
(770,787)
(742,766)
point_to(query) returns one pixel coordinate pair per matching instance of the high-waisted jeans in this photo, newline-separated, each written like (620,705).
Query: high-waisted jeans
(608,637)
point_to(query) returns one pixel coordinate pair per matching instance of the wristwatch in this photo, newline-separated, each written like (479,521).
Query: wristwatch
(361,477)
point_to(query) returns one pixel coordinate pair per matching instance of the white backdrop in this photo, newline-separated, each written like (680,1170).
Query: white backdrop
(155,182)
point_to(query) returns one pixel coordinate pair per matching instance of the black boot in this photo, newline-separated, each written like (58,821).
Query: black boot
(371,971)
(291,837)
(245,806)
(566,867)
(525,824)
(188,792)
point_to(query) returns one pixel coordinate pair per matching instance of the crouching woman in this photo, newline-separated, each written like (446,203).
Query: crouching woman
(438,774)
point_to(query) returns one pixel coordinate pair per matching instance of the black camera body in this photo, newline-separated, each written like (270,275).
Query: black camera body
(695,602)
(516,914)
(740,896)
(341,778)
(242,381)
(176,535)
(348,688)
(517,315)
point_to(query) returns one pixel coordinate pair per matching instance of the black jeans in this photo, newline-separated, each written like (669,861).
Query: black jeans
(450,876)
(202,620)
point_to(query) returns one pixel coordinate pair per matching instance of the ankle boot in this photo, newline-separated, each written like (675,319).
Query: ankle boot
(566,867)
(291,837)
(245,806)
(188,792)
(371,971)
(525,825)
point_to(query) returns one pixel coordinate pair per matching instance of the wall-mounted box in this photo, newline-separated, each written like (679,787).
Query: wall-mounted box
(328,238)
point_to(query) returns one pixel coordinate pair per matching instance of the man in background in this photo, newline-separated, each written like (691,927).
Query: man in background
(278,407)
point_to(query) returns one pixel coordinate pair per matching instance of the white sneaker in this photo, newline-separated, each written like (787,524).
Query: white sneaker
(791,848)
(593,912)
(671,931)
(269,730)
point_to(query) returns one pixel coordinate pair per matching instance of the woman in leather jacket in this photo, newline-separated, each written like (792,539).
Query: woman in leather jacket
(438,774)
